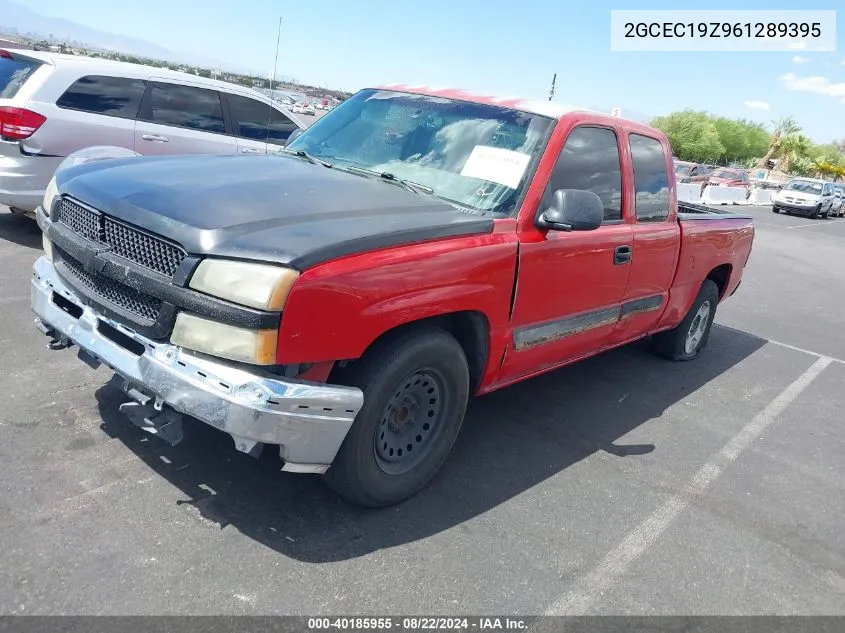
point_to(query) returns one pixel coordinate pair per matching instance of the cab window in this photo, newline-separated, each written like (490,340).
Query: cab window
(590,160)
(651,178)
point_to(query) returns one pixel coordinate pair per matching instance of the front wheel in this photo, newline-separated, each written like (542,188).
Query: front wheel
(686,340)
(416,388)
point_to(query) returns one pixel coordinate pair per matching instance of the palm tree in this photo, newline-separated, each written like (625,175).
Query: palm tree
(793,147)
(785,126)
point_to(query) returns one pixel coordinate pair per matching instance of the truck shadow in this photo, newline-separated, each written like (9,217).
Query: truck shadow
(19,229)
(512,440)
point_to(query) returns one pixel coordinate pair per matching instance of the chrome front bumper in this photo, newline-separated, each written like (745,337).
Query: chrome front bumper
(308,421)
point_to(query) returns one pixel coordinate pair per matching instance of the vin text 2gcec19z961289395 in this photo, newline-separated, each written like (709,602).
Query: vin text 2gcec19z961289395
(342,301)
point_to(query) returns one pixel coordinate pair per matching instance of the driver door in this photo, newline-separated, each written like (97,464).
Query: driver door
(571,284)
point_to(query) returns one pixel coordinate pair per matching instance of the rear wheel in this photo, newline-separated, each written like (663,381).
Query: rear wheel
(686,340)
(775,209)
(416,387)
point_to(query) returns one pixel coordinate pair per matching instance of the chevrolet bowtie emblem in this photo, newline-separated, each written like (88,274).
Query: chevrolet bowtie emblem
(91,260)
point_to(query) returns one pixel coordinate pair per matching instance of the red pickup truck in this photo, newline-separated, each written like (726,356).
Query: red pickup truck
(344,298)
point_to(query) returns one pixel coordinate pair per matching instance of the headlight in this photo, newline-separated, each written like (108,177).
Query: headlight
(48,246)
(254,285)
(256,347)
(50,196)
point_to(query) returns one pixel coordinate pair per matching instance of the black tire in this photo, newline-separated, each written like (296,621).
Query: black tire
(672,344)
(775,209)
(816,212)
(398,401)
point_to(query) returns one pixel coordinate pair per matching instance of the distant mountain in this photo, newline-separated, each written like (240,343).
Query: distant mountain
(26,21)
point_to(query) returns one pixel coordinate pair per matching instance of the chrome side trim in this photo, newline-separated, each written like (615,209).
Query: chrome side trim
(640,306)
(529,336)
(561,328)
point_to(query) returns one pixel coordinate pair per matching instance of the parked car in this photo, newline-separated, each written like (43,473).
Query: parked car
(805,196)
(726,177)
(686,172)
(304,108)
(838,207)
(52,105)
(343,300)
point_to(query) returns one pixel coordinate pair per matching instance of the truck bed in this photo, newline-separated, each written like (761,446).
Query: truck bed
(692,211)
(712,239)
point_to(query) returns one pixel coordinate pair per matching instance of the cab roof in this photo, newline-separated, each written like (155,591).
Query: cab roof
(554,109)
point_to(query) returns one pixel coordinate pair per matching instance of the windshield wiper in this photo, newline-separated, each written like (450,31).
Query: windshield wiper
(303,154)
(410,185)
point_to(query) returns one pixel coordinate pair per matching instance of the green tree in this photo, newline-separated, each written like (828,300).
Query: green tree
(733,137)
(757,138)
(693,135)
(829,153)
(793,147)
(803,167)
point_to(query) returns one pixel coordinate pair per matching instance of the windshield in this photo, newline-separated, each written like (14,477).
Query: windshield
(474,155)
(724,173)
(805,186)
(683,170)
(13,73)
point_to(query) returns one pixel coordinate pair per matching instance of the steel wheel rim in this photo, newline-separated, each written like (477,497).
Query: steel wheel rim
(410,422)
(697,328)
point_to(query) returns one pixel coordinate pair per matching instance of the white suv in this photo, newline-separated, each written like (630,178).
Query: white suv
(52,105)
(805,196)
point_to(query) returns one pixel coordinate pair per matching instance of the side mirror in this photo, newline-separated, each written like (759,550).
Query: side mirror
(293,135)
(573,210)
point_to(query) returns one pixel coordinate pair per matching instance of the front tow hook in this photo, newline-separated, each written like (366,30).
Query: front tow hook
(59,341)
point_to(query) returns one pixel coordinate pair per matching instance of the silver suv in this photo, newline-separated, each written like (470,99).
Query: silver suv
(805,196)
(52,105)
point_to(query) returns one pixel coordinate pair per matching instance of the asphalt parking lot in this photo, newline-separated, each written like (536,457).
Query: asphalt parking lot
(620,485)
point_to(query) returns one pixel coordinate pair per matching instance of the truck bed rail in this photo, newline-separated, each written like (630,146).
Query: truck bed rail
(692,211)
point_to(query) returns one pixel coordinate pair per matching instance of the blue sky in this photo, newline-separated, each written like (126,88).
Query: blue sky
(493,46)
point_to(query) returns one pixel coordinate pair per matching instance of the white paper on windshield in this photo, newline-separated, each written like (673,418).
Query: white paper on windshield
(494,164)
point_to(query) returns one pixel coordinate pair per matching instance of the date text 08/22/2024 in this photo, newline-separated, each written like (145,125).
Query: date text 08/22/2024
(417,623)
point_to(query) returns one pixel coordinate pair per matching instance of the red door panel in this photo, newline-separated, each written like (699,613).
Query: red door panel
(567,298)
(655,251)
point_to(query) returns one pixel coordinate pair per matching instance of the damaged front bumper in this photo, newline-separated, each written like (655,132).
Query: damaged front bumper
(308,421)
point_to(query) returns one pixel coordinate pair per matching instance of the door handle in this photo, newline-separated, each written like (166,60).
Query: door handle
(252,150)
(622,255)
(155,137)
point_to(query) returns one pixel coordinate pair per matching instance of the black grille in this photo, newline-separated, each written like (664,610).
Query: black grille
(137,246)
(141,248)
(121,295)
(80,220)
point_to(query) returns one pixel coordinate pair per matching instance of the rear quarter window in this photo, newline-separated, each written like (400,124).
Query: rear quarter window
(14,73)
(651,178)
(110,96)
(258,121)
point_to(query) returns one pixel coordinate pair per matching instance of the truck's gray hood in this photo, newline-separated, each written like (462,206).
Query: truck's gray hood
(275,208)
